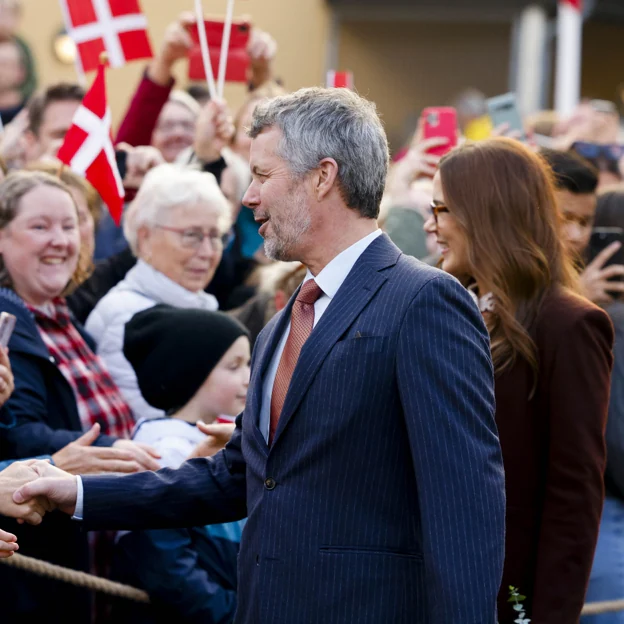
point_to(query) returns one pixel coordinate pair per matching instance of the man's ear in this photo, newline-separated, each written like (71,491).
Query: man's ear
(325,181)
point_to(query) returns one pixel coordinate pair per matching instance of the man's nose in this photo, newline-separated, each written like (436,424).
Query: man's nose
(251,198)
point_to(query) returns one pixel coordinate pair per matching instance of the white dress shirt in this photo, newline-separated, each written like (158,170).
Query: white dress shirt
(329,280)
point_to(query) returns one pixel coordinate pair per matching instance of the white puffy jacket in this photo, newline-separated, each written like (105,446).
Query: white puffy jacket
(142,288)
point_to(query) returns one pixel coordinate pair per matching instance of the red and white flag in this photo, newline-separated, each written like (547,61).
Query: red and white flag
(117,27)
(340,80)
(88,148)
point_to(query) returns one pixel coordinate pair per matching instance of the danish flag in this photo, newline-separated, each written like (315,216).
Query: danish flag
(88,147)
(117,27)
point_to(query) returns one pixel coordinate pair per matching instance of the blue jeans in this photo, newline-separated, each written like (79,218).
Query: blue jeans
(607,576)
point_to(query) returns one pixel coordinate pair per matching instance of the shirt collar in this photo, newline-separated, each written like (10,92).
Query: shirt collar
(331,278)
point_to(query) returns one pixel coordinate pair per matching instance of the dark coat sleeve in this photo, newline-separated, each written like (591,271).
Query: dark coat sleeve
(201,491)
(578,386)
(167,567)
(28,410)
(456,452)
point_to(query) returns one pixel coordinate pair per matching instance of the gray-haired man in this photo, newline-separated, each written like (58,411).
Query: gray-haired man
(367,458)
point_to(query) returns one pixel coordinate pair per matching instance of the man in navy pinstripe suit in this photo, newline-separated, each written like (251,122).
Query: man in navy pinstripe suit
(376,493)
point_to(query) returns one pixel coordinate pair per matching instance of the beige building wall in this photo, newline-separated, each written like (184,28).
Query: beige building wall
(299,26)
(405,66)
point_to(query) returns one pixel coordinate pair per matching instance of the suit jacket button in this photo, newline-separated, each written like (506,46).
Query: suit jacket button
(270,484)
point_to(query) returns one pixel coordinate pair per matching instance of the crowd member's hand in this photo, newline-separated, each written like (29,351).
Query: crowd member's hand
(595,279)
(215,129)
(418,162)
(261,49)
(139,161)
(217,436)
(12,144)
(8,544)
(53,488)
(79,457)
(11,479)
(176,45)
(6,377)
(504,130)
(143,454)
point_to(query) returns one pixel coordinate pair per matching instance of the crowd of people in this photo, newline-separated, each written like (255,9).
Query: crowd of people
(452,428)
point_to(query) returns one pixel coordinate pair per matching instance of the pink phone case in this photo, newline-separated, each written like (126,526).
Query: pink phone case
(440,121)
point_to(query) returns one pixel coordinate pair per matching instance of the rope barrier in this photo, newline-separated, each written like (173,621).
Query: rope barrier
(608,606)
(95,583)
(74,577)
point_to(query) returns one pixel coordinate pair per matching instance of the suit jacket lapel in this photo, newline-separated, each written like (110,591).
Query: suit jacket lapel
(358,289)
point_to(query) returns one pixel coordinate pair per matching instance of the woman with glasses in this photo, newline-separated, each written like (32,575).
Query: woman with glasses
(498,228)
(177,228)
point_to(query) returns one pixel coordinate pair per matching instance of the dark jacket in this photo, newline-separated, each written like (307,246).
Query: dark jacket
(554,454)
(41,417)
(190,574)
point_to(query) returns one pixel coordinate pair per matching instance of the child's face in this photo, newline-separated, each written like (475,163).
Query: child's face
(225,389)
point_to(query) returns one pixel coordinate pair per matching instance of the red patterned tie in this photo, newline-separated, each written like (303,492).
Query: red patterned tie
(301,324)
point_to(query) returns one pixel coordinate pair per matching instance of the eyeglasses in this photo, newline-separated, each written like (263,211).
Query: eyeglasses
(192,238)
(437,208)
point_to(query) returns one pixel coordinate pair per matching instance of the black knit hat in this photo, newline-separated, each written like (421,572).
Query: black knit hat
(173,351)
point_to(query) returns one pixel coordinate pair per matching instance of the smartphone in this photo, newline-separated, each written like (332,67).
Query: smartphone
(440,121)
(503,109)
(7,325)
(601,238)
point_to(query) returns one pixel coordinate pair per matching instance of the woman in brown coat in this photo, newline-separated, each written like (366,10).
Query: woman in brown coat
(498,228)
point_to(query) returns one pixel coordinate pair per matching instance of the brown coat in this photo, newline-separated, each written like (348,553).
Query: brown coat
(554,454)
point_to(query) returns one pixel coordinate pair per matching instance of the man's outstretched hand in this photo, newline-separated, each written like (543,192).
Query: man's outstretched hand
(54,488)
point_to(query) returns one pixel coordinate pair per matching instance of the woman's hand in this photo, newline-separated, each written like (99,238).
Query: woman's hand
(79,457)
(215,130)
(143,454)
(176,45)
(6,377)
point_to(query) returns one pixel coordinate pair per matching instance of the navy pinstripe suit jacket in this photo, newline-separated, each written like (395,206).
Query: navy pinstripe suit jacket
(382,497)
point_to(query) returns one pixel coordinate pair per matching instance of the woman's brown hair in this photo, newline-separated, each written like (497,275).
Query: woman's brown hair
(12,191)
(502,195)
(72,180)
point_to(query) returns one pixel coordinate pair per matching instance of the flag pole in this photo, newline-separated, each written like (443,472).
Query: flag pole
(203,44)
(225,47)
(569,48)
(80,74)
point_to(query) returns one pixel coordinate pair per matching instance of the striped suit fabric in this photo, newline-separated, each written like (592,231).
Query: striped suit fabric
(382,497)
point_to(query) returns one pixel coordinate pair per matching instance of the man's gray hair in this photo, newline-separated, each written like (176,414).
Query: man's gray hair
(166,187)
(331,123)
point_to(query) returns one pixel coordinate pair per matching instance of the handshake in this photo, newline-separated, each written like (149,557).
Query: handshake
(30,489)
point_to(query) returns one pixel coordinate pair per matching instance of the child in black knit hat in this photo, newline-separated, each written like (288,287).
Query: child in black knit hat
(194,365)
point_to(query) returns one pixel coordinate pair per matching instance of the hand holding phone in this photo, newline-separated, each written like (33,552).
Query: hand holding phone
(602,279)
(440,122)
(504,111)
(7,325)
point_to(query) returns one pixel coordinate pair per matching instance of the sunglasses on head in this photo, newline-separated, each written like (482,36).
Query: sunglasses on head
(594,151)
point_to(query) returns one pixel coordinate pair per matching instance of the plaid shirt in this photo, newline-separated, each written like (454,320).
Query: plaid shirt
(97,397)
